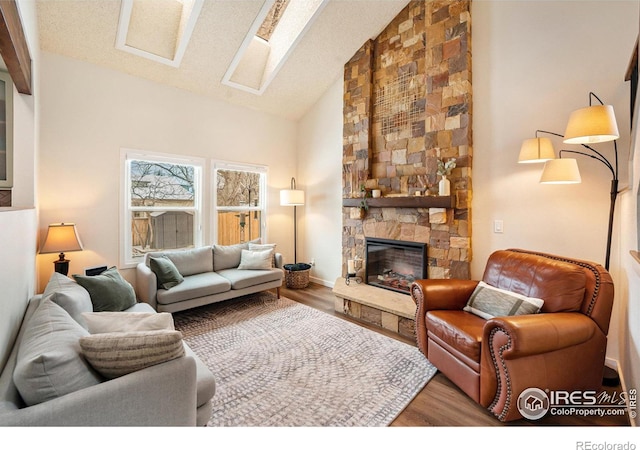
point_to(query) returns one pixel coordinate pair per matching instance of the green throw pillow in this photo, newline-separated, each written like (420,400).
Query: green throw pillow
(108,291)
(166,272)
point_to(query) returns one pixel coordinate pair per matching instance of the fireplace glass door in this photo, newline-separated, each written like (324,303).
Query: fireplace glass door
(394,265)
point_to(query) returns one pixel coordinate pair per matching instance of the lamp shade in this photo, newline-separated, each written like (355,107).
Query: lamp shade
(536,150)
(291,197)
(560,171)
(591,125)
(61,237)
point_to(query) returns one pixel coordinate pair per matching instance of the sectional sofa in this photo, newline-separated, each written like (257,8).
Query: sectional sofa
(47,380)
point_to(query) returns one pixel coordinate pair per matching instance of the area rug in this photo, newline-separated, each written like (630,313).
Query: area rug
(280,363)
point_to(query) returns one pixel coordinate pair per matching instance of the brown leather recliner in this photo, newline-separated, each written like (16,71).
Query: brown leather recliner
(493,361)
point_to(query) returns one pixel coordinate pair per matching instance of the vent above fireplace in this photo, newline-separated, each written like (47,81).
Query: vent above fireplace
(394,265)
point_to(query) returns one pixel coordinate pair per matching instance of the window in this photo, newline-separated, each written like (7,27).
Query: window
(239,202)
(162,196)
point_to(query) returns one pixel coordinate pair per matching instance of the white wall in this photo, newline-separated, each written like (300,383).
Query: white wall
(534,63)
(18,224)
(629,286)
(320,160)
(89,113)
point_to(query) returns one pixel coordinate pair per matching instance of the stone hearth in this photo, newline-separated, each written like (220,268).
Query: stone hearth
(390,310)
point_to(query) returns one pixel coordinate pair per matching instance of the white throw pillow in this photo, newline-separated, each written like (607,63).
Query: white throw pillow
(111,322)
(256,260)
(117,354)
(487,302)
(272,247)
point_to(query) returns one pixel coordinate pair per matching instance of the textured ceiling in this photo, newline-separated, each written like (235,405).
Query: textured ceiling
(86,30)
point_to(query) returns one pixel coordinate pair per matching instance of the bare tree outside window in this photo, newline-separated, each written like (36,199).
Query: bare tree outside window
(162,198)
(238,205)
(235,188)
(161,184)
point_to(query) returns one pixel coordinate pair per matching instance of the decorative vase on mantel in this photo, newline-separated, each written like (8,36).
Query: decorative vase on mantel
(444,186)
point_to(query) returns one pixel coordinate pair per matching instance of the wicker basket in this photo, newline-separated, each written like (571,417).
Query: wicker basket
(297,275)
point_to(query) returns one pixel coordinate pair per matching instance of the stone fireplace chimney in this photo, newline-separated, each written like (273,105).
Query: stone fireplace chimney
(407,104)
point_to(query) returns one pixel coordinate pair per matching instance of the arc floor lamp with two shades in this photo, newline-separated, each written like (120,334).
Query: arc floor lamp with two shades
(594,124)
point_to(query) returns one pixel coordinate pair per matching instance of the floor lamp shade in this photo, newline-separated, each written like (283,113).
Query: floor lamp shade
(591,125)
(61,237)
(536,150)
(560,171)
(291,197)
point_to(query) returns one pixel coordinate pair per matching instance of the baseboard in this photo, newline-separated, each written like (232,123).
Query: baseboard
(615,365)
(322,282)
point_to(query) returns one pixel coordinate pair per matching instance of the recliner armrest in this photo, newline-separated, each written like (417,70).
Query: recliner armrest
(437,294)
(442,293)
(541,333)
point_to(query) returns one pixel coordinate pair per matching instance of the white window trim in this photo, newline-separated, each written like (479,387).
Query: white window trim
(127,154)
(242,167)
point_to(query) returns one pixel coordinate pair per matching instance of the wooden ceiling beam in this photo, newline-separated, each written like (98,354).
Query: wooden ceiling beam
(13,46)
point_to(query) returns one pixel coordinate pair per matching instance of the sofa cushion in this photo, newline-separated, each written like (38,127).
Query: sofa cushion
(72,297)
(108,291)
(256,260)
(49,361)
(166,272)
(120,353)
(227,256)
(192,261)
(194,286)
(487,302)
(110,322)
(241,279)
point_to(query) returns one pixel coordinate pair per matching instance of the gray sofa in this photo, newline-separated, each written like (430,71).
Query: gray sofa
(177,392)
(210,274)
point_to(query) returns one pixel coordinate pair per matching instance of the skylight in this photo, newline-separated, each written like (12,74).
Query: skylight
(273,35)
(270,22)
(158,30)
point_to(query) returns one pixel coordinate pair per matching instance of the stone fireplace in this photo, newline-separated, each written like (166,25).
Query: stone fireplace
(407,105)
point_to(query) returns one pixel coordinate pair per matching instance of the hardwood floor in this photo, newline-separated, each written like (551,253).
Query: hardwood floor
(441,403)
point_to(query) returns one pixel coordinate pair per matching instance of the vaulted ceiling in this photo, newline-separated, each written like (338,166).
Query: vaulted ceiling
(87,29)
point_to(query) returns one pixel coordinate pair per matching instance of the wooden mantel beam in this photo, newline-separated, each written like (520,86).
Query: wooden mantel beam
(13,46)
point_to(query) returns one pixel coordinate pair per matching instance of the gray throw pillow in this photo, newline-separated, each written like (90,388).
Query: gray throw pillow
(73,298)
(166,272)
(488,301)
(49,362)
(108,291)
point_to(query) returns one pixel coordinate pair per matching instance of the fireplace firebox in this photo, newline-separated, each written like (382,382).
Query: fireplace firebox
(394,265)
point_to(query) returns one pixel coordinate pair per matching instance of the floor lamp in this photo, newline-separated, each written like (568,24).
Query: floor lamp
(293,197)
(590,125)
